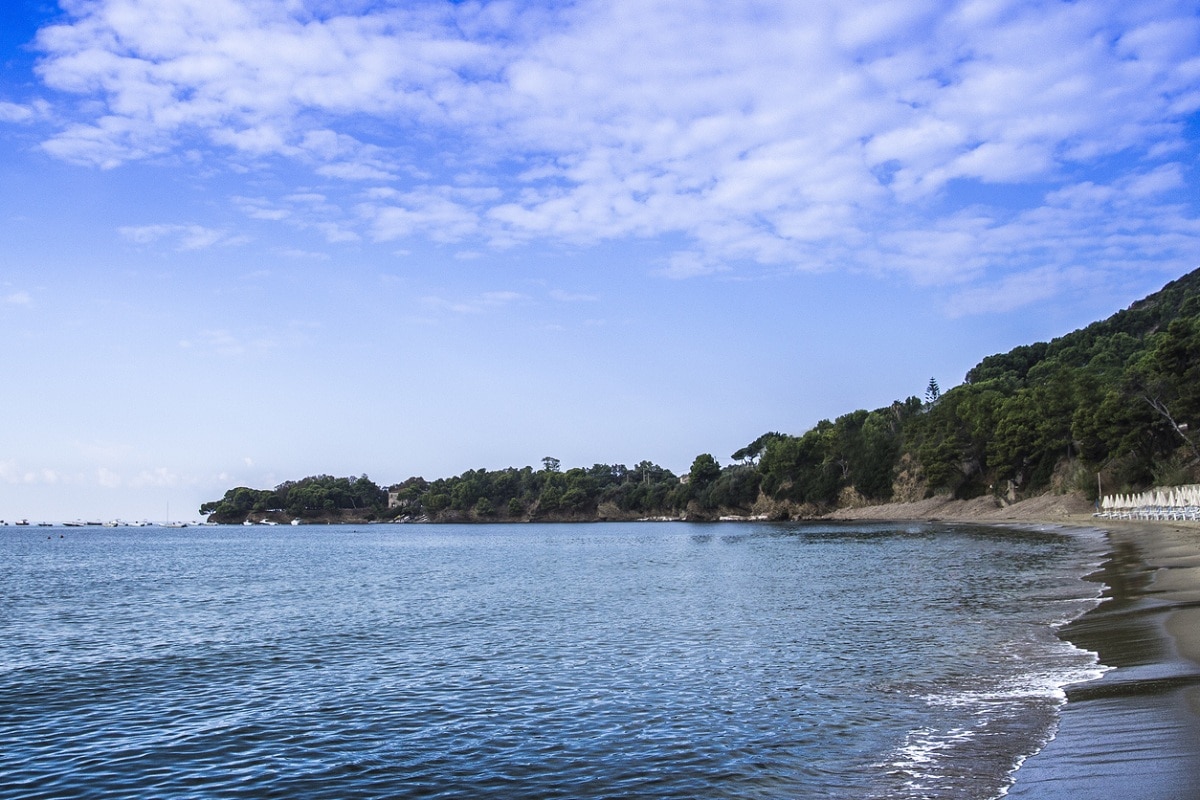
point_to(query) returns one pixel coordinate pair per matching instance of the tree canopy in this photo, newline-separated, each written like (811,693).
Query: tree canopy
(1119,398)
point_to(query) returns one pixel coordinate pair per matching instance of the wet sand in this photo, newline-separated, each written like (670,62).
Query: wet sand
(1133,734)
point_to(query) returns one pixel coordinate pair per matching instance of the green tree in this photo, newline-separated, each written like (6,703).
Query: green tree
(704,471)
(435,503)
(932,391)
(753,451)
(1167,378)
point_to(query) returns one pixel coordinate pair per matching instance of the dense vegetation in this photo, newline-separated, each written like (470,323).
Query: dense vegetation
(321,494)
(1113,405)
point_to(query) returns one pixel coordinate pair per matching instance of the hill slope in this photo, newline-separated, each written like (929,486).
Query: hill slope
(1114,405)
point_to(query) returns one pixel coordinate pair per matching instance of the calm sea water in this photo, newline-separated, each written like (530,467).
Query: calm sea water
(591,661)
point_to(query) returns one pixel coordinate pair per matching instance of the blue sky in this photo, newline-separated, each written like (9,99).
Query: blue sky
(245,242)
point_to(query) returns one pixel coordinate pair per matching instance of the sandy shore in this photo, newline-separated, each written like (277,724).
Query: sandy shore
(1135,733)
(1054,508)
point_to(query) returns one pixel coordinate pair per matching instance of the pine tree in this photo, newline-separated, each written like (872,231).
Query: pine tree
(932,392)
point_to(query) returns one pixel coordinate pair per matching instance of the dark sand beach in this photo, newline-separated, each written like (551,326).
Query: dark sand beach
(1133,734)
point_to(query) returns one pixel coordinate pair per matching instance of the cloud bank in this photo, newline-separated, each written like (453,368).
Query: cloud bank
(999,145)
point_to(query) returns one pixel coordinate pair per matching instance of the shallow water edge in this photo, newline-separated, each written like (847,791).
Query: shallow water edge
(1134,733)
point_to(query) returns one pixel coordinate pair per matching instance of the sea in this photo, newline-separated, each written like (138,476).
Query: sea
(607,660)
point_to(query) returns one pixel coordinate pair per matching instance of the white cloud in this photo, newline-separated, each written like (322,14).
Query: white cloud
(12,473)
(298,253)
(440,215)
(1008,294)
(1163,179)
(108,478)
(688,264)
(501,298)
(563,296)
(23,113)
(225,343)
(824,135)
(301,210)
(183,237)
(258,341)
(477,304)
(18,298)
(354,172)
(157,477)
(260,208)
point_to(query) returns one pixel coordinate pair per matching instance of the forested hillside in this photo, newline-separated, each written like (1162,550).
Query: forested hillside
(1115,405)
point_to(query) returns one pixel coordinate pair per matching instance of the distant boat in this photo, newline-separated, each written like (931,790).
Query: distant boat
(21,522)
(295,522)
(75,524)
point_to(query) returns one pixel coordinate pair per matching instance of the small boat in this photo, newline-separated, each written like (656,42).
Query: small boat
(74,524)
(21,522)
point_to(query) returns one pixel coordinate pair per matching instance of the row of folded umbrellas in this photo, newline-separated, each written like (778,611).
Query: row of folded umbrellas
(1175,502)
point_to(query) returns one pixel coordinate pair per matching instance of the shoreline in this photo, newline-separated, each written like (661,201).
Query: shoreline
(1133,733)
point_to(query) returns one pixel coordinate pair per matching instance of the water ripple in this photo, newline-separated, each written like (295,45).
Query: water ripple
(655,661)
